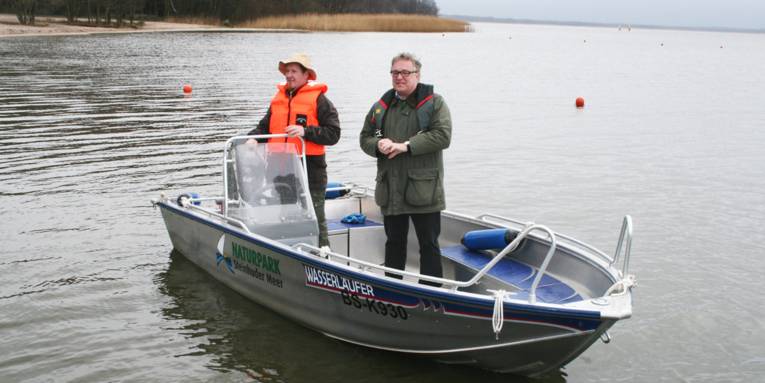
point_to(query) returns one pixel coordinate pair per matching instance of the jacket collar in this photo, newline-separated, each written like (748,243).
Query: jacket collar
(420,93)
(292,92)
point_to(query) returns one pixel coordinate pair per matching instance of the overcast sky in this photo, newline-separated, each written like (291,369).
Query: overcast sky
(685,13)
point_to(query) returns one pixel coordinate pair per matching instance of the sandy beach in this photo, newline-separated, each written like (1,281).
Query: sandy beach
(10,27)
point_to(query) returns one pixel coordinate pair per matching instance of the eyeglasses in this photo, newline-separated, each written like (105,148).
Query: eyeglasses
(403,73)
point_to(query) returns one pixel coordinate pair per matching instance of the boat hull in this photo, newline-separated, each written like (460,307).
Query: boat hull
(371,310)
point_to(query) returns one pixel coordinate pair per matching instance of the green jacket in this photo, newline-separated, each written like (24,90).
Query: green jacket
(412,182)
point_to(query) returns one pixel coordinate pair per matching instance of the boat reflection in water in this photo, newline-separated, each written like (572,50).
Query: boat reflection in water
(515,298)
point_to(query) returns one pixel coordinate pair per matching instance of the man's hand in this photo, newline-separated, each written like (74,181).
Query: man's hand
(390,148)
(397,149)
(295,130)
(384,145)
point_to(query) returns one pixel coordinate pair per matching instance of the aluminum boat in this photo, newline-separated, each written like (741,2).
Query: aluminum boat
(515,297)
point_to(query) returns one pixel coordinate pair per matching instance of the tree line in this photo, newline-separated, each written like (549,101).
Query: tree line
(111,12)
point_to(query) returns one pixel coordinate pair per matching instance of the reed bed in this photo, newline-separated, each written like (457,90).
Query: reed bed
(360,23)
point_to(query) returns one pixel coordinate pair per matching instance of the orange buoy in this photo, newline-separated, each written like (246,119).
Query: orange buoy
(187,88)
(579,102)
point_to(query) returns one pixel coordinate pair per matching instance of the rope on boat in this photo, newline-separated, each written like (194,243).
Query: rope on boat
(622,286)
(324,252)
(498,318)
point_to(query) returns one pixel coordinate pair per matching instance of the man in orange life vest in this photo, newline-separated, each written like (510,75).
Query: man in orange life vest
(300,109)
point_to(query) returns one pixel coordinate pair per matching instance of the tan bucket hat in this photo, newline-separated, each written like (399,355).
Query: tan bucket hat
(298,58)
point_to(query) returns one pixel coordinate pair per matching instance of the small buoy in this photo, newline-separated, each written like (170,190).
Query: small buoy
(580,102)
(186,88)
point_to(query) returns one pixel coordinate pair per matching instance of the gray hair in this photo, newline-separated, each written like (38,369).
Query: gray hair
(406,56)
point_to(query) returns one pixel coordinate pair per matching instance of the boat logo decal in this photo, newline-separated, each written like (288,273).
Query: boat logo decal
(250,262)
(256,258)
(220,258)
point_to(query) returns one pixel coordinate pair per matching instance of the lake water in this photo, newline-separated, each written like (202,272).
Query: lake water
(93,127)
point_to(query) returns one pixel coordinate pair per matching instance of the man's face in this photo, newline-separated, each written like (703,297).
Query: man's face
(402,83)
(295,76)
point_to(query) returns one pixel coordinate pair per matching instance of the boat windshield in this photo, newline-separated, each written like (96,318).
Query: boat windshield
(267,190)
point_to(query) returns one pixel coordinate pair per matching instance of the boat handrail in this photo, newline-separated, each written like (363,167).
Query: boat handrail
(214,214)
(545,263)
(564,238)
(450,282)
(483,217)
(352,188)
(625,240)
(360,191)
(226,161)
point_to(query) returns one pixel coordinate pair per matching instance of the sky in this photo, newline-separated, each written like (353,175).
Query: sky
(744,14)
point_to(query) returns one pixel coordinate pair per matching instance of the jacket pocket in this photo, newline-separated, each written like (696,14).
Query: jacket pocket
(381,189)
(421,186)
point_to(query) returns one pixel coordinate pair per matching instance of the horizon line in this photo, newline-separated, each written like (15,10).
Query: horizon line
(507,20)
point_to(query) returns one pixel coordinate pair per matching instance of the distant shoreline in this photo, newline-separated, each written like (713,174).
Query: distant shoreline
(57,26)
(500,20)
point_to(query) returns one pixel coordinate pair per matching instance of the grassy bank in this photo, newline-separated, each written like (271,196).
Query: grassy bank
(360,23)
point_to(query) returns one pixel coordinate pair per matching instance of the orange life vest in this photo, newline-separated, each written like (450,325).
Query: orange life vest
(285,111)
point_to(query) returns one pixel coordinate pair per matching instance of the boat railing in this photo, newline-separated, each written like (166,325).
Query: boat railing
(354,190)
(624,243)
(562,237)
(188,203)
(454,284)
(624,282)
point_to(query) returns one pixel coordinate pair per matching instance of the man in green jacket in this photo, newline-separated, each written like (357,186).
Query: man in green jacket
(407,131)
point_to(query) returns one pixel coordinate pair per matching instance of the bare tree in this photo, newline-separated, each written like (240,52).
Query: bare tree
(25,11)
(72,10)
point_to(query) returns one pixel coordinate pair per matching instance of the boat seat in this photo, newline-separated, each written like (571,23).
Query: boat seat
(335,226)
(549,290)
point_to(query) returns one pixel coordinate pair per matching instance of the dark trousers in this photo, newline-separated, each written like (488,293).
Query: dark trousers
(317,186)
(317,196)
(427,227)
